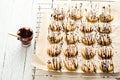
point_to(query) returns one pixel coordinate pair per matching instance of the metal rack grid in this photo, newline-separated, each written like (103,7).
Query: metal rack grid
(38,22)
(40,13)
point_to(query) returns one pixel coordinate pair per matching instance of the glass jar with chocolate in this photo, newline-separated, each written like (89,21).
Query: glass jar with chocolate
(25,35)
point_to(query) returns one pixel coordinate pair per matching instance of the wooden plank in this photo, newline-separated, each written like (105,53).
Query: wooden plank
(27,75)
(5,8)
(28,68)
(2,52)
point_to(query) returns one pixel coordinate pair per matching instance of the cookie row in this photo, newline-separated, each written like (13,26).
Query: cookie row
(68,26)
(87,52)
(90,17)
(76,13)
(87,39)
(73,64)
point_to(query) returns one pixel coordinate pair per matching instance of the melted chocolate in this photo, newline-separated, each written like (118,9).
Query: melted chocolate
(25,32)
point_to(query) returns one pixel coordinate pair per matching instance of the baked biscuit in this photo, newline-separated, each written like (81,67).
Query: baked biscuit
(58,14)
(54,37)
(104,28)
(89,67)
(106,15)
(92,17)
(88,52)
(71,64)
(71,38)
(106,66)
(86,28)
(104,40)
(55,26)
(76,12)
(88,39)
(106,18)
(71,51)
(54,64)
(69,25)
(105,52)
(54,50)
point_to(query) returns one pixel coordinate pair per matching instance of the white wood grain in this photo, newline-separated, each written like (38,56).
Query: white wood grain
(28,67)
(2,52)
(5,8)
(30,50)
(19,15)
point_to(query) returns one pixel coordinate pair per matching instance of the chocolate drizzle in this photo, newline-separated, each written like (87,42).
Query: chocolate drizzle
(106,15)
(54,37)
(71,38)
(71,64)
(71,51)
(58,14)
(88,39)
(54,50)
(54,64)
(89,67)
(75,13)
(86,28)
(104,40)
(88,52)
(105,52)
(69,25)
(55,26)
(107,66)
(105,28)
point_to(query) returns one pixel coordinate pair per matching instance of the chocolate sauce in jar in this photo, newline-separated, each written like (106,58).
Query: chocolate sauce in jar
(26,35)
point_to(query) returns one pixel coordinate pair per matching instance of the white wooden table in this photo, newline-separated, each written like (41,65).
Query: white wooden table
(15,60)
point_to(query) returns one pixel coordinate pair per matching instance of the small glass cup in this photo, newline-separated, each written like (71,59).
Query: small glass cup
(25,36)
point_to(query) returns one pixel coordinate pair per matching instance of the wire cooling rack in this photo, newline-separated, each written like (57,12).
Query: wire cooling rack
(37,73)
(41,8)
